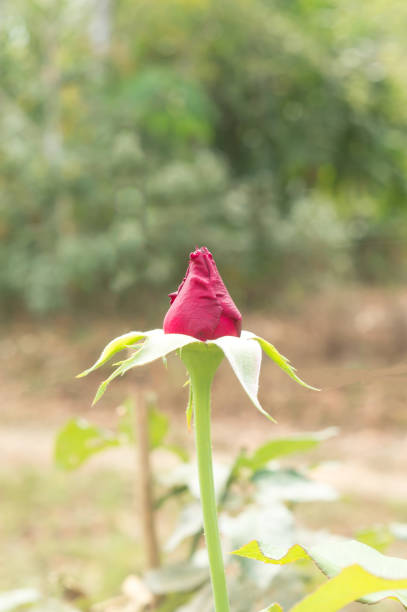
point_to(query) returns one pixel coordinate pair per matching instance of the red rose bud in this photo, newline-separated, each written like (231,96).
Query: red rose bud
(202,306)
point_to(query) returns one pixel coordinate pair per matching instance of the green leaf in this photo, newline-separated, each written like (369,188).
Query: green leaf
(252,522)
(379,537)
(176,578)
(157,344)
(190,522)
(177,450)
(158,425)
(169,494)
(289,485)
(351,584)
(186,474)
(333,555)
(244,357)
(78,440)
(126,423)
(279,359)
(13,600)
(399,530)
(280,447)
(201,601)
(114,346)
(252,550)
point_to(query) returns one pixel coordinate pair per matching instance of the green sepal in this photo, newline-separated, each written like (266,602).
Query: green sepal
(278,358)
(156,345)
(244,357)
(113,347)
(243,354)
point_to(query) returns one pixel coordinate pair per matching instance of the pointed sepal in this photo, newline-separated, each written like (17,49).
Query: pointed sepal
(113,347)
(278,358)
(244,356)
(156,345)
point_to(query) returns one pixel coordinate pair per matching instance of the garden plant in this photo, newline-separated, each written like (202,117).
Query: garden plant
(203,326)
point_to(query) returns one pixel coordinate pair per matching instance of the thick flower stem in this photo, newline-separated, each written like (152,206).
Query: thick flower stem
(202,363)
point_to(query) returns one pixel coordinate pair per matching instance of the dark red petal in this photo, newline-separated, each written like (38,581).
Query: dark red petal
(202,306)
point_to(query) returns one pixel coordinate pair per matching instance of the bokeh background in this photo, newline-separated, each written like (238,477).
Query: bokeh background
(272,131)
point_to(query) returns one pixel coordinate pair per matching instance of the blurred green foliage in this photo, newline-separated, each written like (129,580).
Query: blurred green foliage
(272,131)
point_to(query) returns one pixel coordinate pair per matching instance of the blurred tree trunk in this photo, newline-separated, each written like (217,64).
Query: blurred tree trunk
(151,551)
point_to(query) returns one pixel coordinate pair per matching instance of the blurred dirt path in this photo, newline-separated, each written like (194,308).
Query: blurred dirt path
(370,464)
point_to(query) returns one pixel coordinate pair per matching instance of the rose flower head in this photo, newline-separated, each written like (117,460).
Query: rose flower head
(202,306)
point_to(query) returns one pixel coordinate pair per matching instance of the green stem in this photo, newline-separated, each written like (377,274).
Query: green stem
(202,361)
